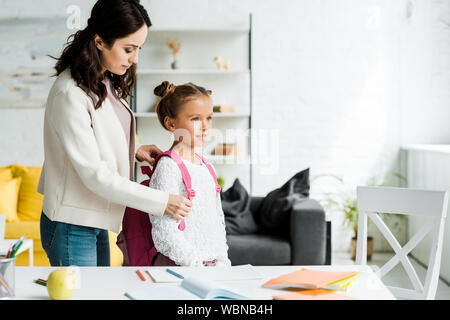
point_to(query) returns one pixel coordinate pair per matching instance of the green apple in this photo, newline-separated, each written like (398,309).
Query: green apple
(61,284)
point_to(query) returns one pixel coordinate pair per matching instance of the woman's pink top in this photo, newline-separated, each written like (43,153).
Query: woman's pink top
(126,119)
(121,111)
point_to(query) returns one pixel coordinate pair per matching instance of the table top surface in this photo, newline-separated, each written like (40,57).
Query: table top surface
(110,283)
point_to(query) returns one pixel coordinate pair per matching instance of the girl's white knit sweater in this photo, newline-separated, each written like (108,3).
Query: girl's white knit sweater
(204,238)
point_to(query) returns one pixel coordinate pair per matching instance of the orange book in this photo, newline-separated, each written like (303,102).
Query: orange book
(309,279)
(315,294)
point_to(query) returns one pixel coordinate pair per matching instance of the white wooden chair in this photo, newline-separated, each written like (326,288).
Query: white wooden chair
(431,204)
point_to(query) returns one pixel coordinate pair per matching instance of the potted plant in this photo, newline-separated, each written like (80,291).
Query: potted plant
(221,181)
(347,204)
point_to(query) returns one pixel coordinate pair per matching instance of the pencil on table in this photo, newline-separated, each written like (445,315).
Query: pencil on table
(140,275)
(153,279)
(40,282)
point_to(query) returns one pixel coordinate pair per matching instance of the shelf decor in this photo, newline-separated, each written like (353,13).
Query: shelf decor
(224,108)
(221,63)
(174,47)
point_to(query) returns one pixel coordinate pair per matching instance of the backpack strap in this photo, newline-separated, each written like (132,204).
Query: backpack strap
(184,174)
(184,171)
(146,170)
(211,170)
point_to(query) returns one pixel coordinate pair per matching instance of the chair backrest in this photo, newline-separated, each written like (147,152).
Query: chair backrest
(2,225)
(430,204)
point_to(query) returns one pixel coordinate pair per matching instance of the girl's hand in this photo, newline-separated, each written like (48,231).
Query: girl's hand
(148,153)
(210,263)
(178,207)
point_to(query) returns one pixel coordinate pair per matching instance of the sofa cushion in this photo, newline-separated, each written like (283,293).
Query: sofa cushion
(30,202)
(276,206)
(9,191)
(14,230)
(258,250)
(236,209)
(5,173)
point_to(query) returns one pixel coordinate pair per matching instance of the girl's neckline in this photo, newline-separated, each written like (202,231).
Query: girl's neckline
(194,164)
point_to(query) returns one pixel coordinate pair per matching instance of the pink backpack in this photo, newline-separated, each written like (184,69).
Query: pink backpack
(135,240)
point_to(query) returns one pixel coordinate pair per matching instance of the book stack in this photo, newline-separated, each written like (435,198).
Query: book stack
(307,284)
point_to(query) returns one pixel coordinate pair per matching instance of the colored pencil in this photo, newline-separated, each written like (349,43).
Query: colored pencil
(128,296)
(5,284)
(40,282)
(19,241)
(174,273)
(140,275)
(151,277)
(13,254)
(9,251)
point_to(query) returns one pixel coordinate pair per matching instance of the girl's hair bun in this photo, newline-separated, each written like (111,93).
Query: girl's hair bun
(164,89)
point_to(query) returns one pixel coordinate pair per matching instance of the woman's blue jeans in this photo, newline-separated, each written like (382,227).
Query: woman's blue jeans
(72,245)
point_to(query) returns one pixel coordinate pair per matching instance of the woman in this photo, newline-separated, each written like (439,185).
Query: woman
(89,142)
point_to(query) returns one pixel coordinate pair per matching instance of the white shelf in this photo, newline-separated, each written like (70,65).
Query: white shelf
(192,71)
(227,160)
(218,30)
(216,115)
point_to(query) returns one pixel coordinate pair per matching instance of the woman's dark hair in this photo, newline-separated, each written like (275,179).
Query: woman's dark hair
(172,97)
(111,20)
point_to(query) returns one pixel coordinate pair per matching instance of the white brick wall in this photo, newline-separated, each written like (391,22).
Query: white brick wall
(348,81)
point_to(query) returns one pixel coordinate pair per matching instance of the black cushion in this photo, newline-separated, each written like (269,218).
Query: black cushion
(236,208)
(258,250)
(276,206)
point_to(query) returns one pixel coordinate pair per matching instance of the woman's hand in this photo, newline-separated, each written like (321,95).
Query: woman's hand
(178,207)
(148,153)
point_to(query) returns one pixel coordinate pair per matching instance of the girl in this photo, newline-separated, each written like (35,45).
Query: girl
(186,111)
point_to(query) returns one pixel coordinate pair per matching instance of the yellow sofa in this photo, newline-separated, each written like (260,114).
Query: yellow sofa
(22,205)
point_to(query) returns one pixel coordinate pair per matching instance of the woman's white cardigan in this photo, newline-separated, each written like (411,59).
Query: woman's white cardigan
(86,174)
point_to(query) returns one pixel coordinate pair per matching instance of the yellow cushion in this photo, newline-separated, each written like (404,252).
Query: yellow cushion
(29,206)
(9,191)
(40,259)
(116,255)
(5,173)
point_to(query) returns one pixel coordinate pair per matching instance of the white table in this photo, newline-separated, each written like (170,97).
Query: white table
(26,245)
(110,283)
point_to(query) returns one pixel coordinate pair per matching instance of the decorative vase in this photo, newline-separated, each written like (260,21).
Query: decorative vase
(369,248)
(174,64)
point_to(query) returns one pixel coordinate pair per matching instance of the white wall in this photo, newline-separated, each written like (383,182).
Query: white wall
(339,81)
(429,168)
(424,73)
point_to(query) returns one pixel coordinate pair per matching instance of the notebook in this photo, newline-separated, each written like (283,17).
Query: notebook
(243,272)
(191,288)
(314,294)
(313,279)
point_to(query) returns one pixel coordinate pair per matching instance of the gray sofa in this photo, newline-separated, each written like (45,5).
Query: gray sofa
(307,240)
